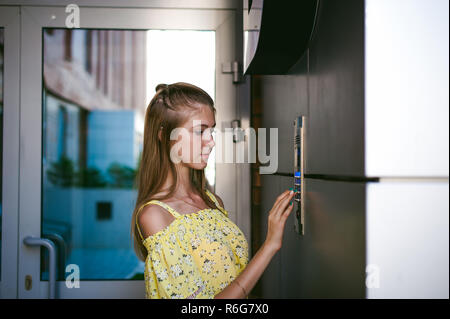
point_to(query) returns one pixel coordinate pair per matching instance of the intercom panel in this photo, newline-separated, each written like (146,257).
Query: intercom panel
(299,171)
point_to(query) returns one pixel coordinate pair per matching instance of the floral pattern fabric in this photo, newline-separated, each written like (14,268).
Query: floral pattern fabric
(196,256)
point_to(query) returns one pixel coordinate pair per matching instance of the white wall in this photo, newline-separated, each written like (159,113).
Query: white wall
(406,146)
(406,88)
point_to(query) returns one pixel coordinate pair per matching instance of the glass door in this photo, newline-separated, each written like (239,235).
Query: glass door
(84,92)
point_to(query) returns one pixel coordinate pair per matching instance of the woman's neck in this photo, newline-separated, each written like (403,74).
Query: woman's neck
(184,188)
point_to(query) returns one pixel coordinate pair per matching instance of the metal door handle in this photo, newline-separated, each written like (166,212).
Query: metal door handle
(61,253)
(47,243)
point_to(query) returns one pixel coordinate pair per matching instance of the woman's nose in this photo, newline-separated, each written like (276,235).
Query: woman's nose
(211,143)
(209,139)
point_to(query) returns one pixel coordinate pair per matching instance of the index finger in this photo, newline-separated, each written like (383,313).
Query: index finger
(287,196)
(282,195)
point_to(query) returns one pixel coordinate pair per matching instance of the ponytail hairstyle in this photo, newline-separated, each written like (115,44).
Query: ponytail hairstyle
(170,108)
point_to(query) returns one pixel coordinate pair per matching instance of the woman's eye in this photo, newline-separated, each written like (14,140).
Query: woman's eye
(211,131)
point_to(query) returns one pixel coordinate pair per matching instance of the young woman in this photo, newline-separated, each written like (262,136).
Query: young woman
(180,228)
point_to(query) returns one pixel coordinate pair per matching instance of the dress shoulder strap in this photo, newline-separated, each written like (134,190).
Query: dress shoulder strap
(172,211)
(214,199)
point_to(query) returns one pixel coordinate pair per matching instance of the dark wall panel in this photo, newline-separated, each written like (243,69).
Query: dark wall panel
(329,260)
(336,90)
(326,85)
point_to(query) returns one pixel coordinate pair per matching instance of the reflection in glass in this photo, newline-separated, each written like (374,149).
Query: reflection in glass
(94,98)
(1,141)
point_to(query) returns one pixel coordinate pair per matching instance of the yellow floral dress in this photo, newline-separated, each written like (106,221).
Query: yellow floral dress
(196,256)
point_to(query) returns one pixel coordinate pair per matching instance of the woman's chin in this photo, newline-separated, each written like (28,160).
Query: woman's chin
(200,164)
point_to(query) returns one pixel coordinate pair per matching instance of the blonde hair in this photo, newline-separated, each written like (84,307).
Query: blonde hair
(170,108)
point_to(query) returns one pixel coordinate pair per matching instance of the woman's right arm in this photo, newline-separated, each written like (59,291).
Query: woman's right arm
(251,274)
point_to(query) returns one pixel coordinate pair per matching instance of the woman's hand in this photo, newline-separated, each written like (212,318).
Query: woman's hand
(277,219)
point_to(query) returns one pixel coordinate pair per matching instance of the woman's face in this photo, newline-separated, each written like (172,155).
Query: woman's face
(195,140)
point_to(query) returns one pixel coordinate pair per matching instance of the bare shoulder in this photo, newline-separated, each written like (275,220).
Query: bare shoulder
(154,218)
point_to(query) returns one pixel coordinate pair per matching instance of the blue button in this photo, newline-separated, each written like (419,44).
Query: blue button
(297,174)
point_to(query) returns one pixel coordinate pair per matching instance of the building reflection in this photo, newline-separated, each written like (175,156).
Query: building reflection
(93,99)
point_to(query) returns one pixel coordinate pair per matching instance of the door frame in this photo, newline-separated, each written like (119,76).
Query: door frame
(10,22)
(33,19)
